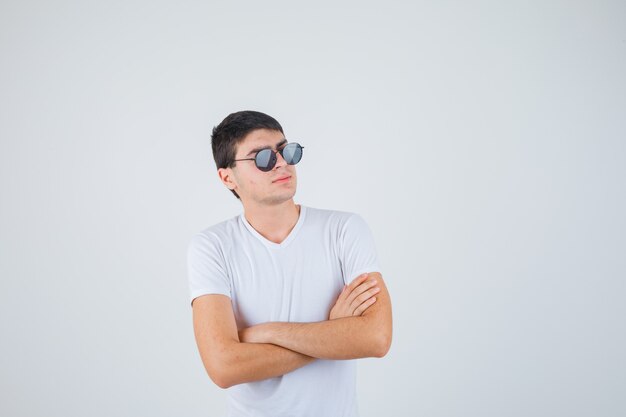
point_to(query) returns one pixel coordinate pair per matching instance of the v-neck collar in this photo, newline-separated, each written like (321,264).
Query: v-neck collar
(286,241)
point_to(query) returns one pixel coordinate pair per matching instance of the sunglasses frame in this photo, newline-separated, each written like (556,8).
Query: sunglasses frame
(275,158)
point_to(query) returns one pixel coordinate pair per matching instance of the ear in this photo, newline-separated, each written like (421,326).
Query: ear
(227,177)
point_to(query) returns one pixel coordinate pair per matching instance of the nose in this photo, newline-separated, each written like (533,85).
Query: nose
(280,161)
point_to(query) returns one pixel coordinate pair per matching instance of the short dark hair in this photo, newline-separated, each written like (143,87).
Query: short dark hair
(232,130)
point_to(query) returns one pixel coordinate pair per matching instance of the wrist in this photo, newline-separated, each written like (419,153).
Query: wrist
(266,333)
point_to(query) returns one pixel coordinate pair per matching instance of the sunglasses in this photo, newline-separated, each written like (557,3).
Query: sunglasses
(266,159)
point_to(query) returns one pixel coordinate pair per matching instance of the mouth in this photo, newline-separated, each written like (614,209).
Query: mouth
(282,179)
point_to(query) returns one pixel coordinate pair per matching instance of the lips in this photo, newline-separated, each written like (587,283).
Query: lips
(282,178)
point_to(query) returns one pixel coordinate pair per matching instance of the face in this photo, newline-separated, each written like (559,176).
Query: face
(254,185)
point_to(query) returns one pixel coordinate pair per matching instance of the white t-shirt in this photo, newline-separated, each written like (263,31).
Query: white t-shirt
(297,280)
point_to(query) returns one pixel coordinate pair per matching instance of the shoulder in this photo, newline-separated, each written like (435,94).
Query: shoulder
(216,235)
(337,218)
(338,223)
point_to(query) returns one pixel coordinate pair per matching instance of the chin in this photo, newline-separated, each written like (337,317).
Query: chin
(279,198)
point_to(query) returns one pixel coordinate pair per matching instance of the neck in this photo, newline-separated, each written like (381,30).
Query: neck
(273,222)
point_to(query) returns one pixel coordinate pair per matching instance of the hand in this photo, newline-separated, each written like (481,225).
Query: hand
(355,298)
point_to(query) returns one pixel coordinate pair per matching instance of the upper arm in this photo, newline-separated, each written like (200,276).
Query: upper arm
(215,330)
(356,248)
(206,266)
(358,255)
(379,314)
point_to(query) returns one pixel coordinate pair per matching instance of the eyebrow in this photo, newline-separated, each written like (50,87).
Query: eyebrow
(266,147)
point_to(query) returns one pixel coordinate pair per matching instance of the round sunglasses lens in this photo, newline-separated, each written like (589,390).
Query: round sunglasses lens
(292,153)
(265,160)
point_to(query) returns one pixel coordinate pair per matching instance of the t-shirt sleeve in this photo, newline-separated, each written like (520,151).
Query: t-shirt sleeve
(357,250)
(206,267)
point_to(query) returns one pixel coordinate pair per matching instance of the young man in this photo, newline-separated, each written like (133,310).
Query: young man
(284,296)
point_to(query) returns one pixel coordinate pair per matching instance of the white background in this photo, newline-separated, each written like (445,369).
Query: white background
(483,142)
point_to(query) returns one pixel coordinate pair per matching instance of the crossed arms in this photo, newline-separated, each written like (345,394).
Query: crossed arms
(271,349)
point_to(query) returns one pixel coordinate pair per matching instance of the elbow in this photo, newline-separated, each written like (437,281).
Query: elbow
(382,346)
(218,373)
(222,383)
(226,371)
(220,378)
(220,366)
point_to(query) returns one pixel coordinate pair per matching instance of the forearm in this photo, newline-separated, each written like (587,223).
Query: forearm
(343,338)
(247,362)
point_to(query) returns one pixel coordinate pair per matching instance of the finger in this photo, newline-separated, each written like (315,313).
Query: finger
(364,306)
(358,281)
(364,297)
(343,294)
(361,289)
(347,289)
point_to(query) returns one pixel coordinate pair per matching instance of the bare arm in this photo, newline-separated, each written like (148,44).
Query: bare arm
(227,360)
(368,335)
